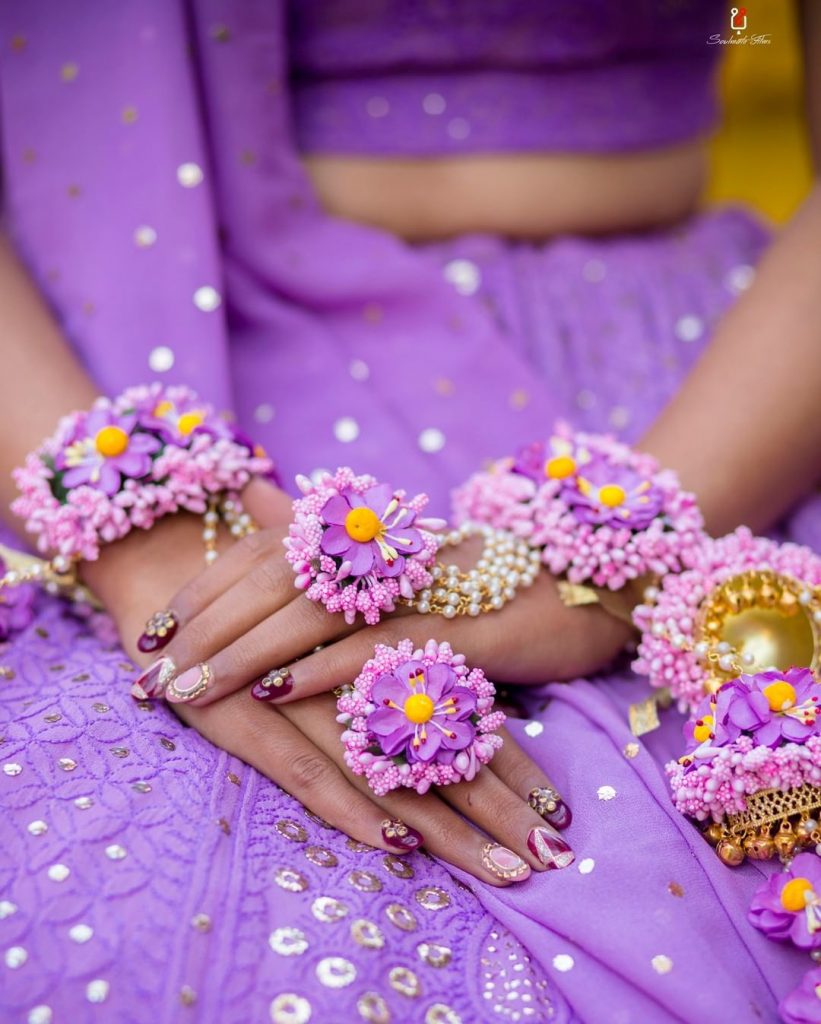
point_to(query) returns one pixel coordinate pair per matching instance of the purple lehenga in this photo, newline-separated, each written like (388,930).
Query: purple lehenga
(153,187)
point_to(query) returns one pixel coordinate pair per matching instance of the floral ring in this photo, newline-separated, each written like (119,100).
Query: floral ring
(357,545)
(418,718)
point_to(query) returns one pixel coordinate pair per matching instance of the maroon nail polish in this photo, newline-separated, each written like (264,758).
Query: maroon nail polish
(548,804)
(158,631)
(275,684)
(549,848)
(401,836)
(154,680)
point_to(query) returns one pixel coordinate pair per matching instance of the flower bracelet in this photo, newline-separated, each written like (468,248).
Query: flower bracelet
(418,718)
(126,463)
(601,515)
(358,546)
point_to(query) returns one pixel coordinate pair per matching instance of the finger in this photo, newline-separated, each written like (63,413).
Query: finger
(443,832)
(254,657)
(339,663)
(526,778)
(235,562)
(261,737)
(510,820)
(265,586)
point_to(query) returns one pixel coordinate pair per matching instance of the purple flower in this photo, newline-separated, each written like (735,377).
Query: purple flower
(707,729)
(178,420)
(422,712)
(370,531)
(803,1004)
(772,707)
(788,906)
(558,459)
(104,450)
(607,494)
(792,699)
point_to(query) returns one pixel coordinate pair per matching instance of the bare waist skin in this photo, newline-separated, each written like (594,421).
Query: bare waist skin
(527,196)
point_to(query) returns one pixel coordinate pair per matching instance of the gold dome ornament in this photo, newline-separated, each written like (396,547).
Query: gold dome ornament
(751,605)
(756,621)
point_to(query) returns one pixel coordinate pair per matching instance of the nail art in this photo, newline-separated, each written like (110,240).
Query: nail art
(190,684)
(158,631)
(400,836)
(277,683)
(503,863)
(548,804)
(548,847)
(154,680)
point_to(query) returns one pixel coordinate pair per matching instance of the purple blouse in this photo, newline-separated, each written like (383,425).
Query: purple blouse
(458,76)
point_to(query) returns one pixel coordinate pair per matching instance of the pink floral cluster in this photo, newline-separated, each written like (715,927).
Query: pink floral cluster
(362,707)
(127,462)
(360,565)
(719,786)
(667,621)
(602,513)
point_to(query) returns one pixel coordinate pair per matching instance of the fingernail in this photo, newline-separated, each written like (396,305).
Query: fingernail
(189,685)
(548,847)
(400,836)
(277,683)
(548,804)
(504,863)
(154,680)
(158,631)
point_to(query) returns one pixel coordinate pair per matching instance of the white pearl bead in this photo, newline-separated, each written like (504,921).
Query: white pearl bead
(723,647)
(423,607)
(725,662)
(449,611)
(453,599)
(804,597)
(496,602)
(474,610)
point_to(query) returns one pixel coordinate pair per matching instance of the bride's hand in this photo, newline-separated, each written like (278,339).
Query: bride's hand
(485,827)
(243,618)
(299,747)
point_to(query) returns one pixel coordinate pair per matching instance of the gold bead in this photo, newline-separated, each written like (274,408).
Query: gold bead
(730,852)
(760,847)
(714,833)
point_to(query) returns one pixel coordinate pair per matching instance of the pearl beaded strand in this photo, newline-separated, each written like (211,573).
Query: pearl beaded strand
(507,562)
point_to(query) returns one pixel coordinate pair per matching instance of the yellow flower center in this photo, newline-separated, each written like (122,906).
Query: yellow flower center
(560,467)
(111,441)
(163,408)
(362,524)
(419,708)
(189,421)
(780,695)
(794,895)
(611,495)
(704,731)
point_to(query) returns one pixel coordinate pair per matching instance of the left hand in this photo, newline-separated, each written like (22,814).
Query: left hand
(533,639)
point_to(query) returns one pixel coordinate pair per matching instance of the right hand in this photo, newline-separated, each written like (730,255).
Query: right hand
(299,747)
